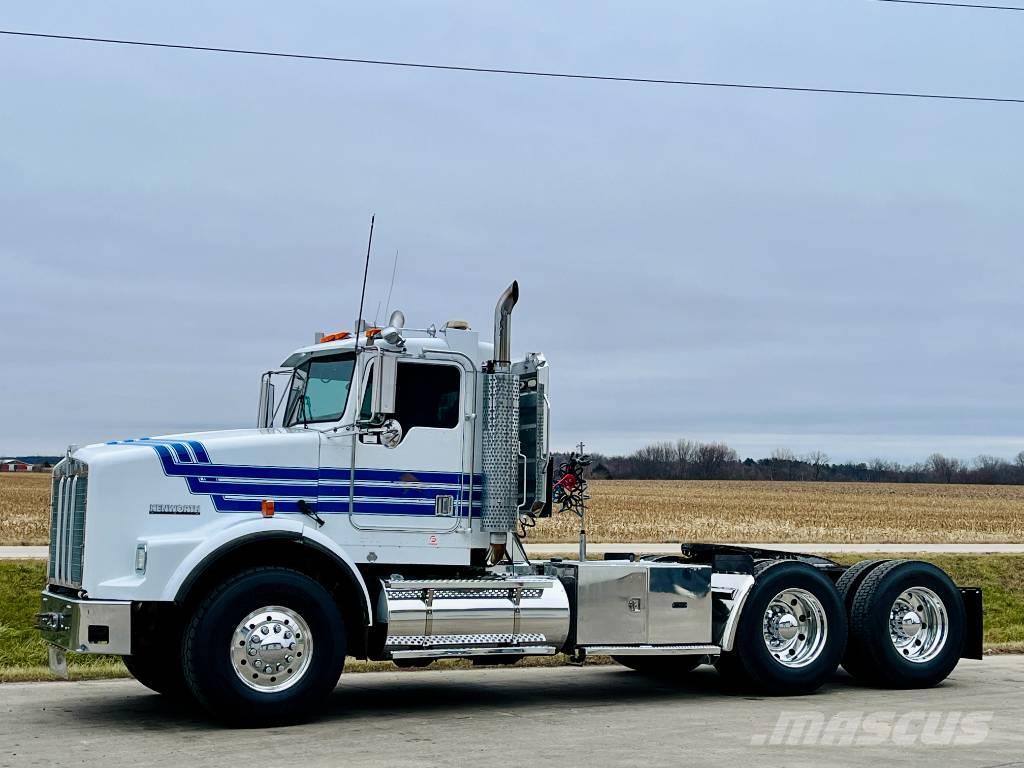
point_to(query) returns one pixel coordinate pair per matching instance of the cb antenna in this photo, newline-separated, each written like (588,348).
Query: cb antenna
(362,296)
(358,378)
(394,271)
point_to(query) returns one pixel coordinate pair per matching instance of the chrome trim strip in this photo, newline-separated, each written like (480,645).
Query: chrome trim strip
(526,582)
(652,650)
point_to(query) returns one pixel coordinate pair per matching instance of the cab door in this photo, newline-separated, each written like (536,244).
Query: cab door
(420,484)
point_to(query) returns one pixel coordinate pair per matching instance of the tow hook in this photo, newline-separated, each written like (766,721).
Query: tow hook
(50,621)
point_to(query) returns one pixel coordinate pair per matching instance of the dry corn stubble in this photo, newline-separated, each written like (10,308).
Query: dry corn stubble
(692,510)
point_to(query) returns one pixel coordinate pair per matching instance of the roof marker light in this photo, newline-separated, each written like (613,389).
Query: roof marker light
(339,336)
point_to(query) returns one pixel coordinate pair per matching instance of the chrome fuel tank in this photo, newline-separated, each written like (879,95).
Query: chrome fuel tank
(623,603)
(445,615)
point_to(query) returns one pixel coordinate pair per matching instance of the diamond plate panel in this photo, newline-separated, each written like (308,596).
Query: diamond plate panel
(463,641)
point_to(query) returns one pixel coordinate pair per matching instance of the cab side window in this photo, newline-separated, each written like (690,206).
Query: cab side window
(427,395)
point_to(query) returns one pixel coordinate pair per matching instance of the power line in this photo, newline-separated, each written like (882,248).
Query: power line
(517,72)
(957,5)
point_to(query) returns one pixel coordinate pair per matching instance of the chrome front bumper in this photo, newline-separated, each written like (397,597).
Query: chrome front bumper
(86,626)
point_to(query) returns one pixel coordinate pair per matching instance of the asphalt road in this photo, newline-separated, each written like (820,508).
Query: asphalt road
(597,716)
(543,550)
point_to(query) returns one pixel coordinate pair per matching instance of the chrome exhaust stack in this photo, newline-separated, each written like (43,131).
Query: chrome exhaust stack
(503,326)
(501,433)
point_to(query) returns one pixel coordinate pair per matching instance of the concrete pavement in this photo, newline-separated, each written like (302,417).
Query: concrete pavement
(597,715)
(23,553)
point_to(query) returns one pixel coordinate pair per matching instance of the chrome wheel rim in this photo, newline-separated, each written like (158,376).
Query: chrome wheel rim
(918,624)
(795,628)
(271,649)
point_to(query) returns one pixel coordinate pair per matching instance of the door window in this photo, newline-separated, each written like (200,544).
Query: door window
(427,395)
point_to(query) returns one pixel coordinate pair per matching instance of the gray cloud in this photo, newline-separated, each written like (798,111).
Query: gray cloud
(772,269)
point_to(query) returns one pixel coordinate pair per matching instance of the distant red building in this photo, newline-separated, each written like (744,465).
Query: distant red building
(16,465)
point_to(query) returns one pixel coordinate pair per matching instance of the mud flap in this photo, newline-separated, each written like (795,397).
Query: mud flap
(58,662)
(974,629)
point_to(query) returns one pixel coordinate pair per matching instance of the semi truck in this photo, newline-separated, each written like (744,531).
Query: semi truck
(373,513)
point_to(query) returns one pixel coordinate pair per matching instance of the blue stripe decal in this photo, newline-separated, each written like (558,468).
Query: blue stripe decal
(242,488)
(326,508)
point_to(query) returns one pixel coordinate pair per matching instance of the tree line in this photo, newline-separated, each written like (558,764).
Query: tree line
(692,460)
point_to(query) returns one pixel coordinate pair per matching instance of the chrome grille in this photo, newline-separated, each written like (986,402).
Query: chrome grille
(68,495)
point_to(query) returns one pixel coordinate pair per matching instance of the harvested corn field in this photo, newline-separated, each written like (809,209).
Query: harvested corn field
(694,510)
(746,511)
(24,508)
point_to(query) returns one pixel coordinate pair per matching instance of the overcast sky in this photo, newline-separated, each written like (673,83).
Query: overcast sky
(769,269)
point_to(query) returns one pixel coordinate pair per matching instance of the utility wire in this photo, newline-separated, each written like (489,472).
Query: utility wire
(518,72)
(957,5)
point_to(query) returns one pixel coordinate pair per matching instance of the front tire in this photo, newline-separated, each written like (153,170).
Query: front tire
(156,658)
(792,633)
(265,647)
(160,672)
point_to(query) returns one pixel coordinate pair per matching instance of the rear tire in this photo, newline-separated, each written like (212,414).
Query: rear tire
(792,633)
(667,667)
(906,625)
(847,585)
(265,647)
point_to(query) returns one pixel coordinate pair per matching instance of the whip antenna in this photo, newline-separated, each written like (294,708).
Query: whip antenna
(362,296)
(358,379)
(394,271)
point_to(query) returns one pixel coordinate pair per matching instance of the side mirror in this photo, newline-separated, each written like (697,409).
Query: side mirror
(385,383)
(265,414)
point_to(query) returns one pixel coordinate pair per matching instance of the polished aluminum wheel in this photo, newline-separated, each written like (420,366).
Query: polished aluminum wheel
(795,627)
(271,649)
(918,624)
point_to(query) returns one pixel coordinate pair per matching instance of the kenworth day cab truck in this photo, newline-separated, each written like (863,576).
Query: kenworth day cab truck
(372,513)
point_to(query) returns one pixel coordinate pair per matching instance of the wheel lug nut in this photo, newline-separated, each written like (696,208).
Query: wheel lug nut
(258,662)
(252,651)
(265,630)
(287,635)
(288,659)
(277,628)
(268,669)
(254,639)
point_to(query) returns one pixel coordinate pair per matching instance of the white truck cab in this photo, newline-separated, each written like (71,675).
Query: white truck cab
(372,513)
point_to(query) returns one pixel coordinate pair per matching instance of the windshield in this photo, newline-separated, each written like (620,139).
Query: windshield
(319,390)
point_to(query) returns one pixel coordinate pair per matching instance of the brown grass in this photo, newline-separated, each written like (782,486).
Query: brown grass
(685,510)
(24,508)
(741,511)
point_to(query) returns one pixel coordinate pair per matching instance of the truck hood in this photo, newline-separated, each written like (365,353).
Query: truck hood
(224,471)
(172,492)
(227,446)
